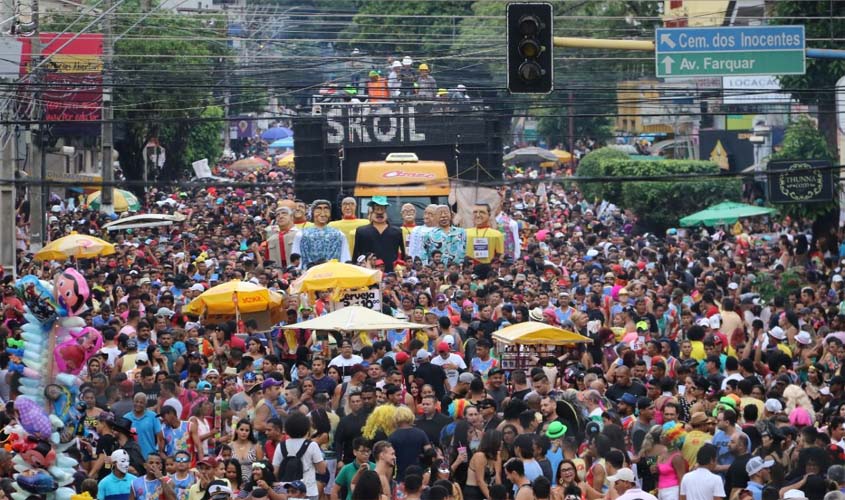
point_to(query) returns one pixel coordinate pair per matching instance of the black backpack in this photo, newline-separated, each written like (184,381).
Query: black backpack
(291,468)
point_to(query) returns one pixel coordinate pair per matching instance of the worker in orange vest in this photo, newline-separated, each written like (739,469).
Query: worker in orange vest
(377,88)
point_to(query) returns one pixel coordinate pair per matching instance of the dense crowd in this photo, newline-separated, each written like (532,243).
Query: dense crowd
(714,368)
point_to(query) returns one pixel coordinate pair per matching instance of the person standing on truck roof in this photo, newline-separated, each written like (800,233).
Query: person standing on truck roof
(300,215)
(393,81)
(349,222)
(320,243)
(426,84)
(409,223)
(379,237)
(376,88)
(449,240)
(419,234)
(483,242)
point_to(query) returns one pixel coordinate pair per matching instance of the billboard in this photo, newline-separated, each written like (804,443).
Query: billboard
(72,75)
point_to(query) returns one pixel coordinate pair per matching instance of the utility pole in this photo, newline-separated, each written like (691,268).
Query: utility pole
(8,231)
(37,191)
(107,194)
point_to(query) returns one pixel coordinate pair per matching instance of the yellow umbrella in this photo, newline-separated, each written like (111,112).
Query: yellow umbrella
(337,276)
(562,156)
(220,300)
(123,201)
(286,161)
(80,246)
(534,332)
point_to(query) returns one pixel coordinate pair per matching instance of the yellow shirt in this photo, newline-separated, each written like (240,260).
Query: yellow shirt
(698,353)
(484,244)
(692,443)
(348,227)
(303,225)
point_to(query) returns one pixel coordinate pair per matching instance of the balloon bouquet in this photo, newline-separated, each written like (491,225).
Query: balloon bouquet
(54,347)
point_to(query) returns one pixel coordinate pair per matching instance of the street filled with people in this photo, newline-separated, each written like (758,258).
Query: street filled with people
(688,377)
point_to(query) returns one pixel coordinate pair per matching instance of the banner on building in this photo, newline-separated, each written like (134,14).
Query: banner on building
(800,181)
(72,74)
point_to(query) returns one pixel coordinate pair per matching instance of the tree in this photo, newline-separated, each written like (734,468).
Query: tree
(803,141)
(592,165)
(418,27)
(164,85)
(660,204)
(826,29)
(196,140)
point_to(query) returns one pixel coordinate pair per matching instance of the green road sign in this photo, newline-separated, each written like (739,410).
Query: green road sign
(730,51)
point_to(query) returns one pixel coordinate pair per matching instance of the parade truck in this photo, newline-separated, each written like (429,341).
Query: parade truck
(411,151)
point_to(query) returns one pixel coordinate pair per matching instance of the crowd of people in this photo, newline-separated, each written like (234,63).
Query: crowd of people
(714,367)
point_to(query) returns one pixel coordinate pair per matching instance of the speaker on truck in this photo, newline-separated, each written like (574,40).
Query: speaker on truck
(315,173)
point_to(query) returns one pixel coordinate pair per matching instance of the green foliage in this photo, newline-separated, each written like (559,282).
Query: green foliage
(803,141)
(824,24)
(184,70)
(413,31)
(592,165)
(658,204)
(768,287)
(201,140)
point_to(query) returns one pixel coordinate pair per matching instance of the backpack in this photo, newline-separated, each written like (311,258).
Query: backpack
(291,468)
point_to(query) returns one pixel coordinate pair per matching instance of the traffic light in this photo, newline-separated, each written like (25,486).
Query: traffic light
(530,44)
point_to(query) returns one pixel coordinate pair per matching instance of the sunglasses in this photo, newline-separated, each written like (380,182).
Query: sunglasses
(182,460)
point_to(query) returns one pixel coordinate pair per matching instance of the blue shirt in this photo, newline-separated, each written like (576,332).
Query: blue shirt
(112,488)
(756,490)
(147,427)
(723,454)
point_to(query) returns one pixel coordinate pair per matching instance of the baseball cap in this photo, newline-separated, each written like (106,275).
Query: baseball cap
(212,371)
(164,311)
(440,297)
(197,288)
(628,399)
(756,464)
(204,386)
(211,461)
(402,357)
(466,378)
(836,278)
(132,343)
(443,347)
(270,382)
(297,485)
(142,357)
(773,406)
(644,403)
(379,200)
(624,474)
(423,354)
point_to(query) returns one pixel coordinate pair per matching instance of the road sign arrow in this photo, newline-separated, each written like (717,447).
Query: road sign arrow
(667,63)
(666,39)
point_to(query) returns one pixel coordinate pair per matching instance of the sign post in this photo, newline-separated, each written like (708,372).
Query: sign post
(730,51)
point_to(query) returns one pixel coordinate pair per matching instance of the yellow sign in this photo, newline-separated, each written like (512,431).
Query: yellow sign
(720,156)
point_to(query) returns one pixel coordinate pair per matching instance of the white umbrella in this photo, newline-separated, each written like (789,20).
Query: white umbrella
(356,318)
